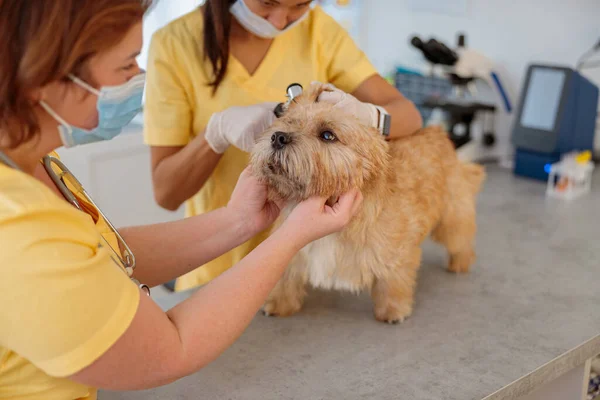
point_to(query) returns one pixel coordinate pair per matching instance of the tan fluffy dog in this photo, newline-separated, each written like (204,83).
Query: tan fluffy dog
(412,188)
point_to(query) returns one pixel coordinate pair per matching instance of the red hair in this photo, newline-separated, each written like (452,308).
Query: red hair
(44,41)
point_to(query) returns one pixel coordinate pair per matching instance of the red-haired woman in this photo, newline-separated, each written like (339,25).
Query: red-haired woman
(73,316)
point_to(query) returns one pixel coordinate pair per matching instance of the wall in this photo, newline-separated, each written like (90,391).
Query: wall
(512,33)
(163,11)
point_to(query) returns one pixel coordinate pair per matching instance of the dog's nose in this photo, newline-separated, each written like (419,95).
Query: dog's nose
(280,139)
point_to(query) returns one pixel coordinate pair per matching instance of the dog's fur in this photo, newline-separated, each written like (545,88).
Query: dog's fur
(412,187)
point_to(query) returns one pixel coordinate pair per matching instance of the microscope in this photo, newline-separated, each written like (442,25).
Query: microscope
(462,68)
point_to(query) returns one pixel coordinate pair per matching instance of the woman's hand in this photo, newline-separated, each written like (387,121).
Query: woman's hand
(313,219)
(366,113)
(239,126)
(249,202)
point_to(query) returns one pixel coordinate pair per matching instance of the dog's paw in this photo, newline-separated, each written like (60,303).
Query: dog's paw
(274,308)
(395,314)
(457,268)
(267,314)
(461,263)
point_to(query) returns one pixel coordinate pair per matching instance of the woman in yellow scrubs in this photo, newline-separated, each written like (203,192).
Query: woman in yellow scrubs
(242,53)
(71,319)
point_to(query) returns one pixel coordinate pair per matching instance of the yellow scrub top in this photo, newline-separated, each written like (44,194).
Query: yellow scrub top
(179,101)
(63,301)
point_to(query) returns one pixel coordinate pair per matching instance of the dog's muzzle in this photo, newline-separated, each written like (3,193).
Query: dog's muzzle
(280,139)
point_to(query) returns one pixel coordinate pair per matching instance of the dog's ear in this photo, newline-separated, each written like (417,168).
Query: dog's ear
(311,95)
(308,96)
(315,90)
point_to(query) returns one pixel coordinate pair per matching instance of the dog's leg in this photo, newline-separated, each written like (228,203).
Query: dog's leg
(457,228)
(287,296)
(394,295)
(456,232)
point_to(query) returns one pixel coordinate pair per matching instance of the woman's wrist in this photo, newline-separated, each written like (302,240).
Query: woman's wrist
(292,236)
(241,226)
(202,146)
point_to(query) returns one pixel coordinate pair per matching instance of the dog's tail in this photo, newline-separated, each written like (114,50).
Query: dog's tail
(474,174)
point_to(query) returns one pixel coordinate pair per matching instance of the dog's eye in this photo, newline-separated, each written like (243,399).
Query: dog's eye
(328,136)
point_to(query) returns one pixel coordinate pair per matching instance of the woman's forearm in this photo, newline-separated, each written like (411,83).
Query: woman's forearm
(168,250)
(406,119)
(215,316)
(160,348)
(178,173)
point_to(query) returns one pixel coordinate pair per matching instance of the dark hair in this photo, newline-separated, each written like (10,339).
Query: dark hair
(43,41)
(217,30)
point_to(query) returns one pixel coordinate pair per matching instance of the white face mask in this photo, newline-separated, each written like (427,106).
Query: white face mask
(257,24)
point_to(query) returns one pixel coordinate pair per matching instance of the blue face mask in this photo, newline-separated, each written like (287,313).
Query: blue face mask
(117,106)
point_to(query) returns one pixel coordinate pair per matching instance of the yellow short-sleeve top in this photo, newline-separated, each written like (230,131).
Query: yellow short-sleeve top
(179,101)
(64,302)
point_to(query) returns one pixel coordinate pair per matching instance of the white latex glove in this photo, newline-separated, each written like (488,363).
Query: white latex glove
(238,126)
(366,113)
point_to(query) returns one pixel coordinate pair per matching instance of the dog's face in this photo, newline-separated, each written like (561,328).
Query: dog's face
(317,149)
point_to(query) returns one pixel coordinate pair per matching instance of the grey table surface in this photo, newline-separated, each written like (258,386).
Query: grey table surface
(528,312)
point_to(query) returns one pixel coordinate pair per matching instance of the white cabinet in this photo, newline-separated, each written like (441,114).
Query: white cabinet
(117,175)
